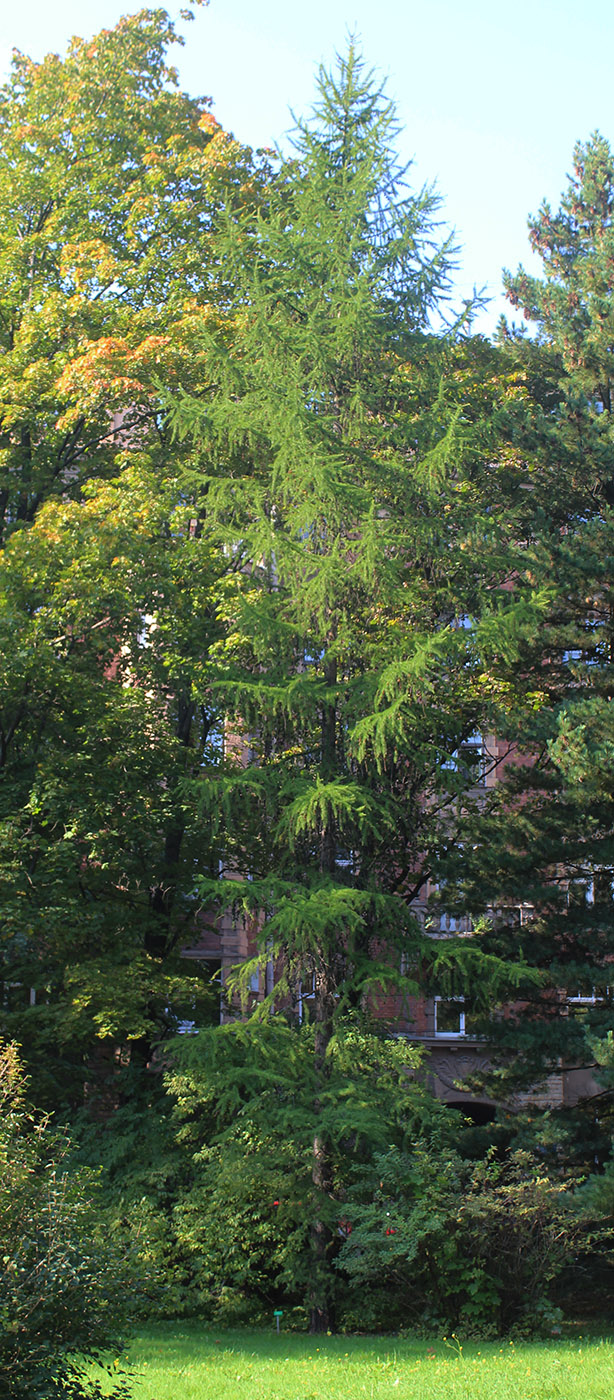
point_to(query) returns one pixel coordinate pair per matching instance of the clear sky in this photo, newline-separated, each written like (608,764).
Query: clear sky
(492,96)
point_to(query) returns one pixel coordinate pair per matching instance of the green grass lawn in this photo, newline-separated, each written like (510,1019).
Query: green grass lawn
(181,1361)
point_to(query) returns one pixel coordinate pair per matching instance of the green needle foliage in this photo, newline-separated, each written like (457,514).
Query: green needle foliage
(551,830)
(348,470)
(248,1104)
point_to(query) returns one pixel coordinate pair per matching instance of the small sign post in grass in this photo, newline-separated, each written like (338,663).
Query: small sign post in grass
(277,1314)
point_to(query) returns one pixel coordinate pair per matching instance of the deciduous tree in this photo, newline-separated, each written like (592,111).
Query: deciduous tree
(112,182)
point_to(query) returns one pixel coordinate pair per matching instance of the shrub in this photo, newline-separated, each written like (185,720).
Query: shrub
(475,1246)
(64,1286)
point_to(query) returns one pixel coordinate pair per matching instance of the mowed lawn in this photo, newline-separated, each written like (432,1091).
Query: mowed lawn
(181,1361)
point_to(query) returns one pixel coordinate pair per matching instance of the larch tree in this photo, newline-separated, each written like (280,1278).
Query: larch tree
(349,467)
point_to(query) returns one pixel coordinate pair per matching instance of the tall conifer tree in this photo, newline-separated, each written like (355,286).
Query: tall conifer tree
(550,843)
(349,474)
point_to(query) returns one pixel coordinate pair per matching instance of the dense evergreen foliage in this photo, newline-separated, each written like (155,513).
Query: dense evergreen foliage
(550,832)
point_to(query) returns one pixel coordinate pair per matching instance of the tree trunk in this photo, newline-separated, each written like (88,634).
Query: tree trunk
(322,1238)
(322,1175)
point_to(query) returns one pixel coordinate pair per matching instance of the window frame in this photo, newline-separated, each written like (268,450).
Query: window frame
(461,1033)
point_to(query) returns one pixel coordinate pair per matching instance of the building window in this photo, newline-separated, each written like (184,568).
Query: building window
(449,1017)
(203,1007)
(469,761)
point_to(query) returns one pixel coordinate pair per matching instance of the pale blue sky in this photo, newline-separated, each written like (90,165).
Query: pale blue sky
(492,97)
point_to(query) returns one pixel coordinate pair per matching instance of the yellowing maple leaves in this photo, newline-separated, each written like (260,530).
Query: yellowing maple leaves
(111,185)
